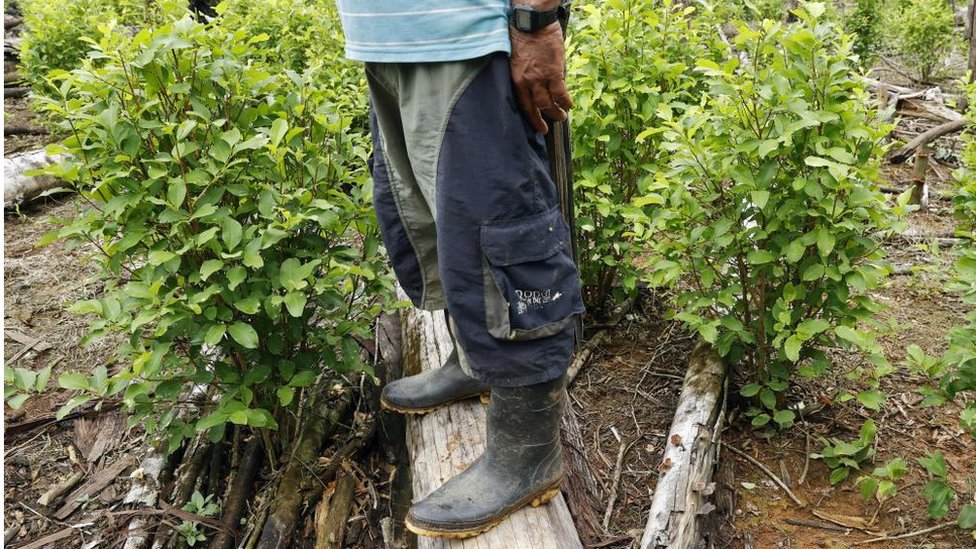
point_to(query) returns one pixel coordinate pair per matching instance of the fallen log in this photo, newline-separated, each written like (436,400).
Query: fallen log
(17,185)
(24,130)
(444,442)
(12,93)
(690,454)
(904,152)
(144,491)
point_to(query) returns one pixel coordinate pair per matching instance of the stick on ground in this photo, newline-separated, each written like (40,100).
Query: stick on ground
(779,482)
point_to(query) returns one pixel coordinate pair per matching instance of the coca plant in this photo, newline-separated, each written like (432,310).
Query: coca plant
(771,212)
(627,71)
(230,208)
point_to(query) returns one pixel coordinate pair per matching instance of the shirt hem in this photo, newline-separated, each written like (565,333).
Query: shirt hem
(420,55)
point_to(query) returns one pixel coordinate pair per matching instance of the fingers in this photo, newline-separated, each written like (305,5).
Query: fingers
(542,102)
(526,102)
(560,95)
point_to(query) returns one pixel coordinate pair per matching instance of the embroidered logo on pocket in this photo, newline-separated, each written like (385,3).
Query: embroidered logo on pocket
(533,300)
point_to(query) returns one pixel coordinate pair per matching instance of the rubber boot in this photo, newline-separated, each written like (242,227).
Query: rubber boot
(421,393)
(522,465)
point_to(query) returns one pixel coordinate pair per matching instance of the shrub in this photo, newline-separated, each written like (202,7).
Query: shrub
(58,33)
(628,73)
(924,35)
(299,35)
(231,209)
(771,210)
(865,23)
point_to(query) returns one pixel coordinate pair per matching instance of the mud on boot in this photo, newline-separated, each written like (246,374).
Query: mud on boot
(427,391)
(522,465)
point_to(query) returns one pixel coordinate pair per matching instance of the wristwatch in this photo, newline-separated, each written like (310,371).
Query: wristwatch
(525,18)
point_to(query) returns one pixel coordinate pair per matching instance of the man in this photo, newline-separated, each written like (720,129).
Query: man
(460,91)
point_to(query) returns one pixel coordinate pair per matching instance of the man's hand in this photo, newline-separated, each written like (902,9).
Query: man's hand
(537,72)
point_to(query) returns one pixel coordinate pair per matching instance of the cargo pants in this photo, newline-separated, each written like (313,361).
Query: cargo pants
(469,215)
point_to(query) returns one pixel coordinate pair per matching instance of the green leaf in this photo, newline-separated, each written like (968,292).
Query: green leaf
(214,334)
(285,395)
(252,254)
(760,420)
(868,486)
(768,398)
(935,464)
(235,276)
(839,475)
(760,198)
(303,379)
(967,517)
(295,303)
(759,257)
(209,267)
(70,406)
(825,241)
(231,232)
(812,327)
(871,399)
(939,495)
(750,390)
(249,305)
(244,335)
(784,418)
(278,129)
(17,400)
(792,348)
(74,381)
(176,193)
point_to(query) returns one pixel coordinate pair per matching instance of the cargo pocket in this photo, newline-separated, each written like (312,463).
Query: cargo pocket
(531,283)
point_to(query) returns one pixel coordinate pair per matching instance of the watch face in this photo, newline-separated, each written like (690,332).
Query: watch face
(523,20)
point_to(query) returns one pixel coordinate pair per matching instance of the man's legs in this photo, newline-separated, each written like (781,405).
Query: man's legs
(503,268)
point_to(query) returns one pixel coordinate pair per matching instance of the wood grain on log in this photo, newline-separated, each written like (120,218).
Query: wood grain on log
(443,443)
(689,457)
(17,185)
(333,512)
(95,484)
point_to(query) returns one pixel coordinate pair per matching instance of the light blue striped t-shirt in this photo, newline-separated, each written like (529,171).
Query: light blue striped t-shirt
(408,31)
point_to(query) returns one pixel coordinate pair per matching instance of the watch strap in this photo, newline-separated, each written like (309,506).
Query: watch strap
(527,19)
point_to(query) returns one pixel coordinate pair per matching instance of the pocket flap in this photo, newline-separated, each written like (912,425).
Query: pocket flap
(512,241)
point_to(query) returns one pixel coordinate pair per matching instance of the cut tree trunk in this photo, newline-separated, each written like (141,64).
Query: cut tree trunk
(679,504)
(239,493)
(920,191)
(443,443)
(19,187)
(323,415)
(333,512)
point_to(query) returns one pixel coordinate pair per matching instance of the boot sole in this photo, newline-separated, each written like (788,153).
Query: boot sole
(387,405)
(535,500)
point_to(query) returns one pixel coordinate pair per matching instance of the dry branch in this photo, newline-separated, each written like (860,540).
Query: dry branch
(60,489)
(905,151)
(689,456)
(98,482)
